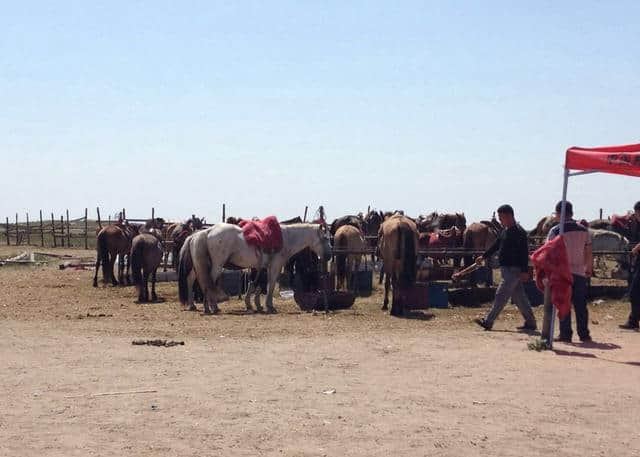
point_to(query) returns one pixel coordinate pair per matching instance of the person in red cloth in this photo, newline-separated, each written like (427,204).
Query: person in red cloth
(578,243)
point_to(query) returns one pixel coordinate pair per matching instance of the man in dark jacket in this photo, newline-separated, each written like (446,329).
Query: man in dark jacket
(513,256)
(633,235)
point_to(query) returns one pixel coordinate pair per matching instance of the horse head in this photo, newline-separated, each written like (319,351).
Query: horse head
(322,244)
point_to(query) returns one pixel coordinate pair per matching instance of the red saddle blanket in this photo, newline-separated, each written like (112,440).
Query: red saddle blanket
(265,234)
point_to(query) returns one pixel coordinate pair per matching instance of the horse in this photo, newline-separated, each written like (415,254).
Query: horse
(480,236)
(608,240)
(205,253)
(371,225)
(347,237)
(543,227)
(442,239)
(146,256)
(436,221)
(354,221)
(398,243)
(114,240)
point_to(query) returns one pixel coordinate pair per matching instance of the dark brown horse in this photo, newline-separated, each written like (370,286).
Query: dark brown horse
(114,240)
(398,242)
(354,221)
(146,256)
(371,226)
(436,221)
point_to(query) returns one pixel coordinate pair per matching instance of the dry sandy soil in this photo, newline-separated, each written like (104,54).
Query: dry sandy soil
(352,383)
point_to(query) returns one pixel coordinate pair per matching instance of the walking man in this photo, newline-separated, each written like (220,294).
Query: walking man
(513,256)
(578,244)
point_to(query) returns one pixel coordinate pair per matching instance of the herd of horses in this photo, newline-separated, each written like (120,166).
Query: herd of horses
(199,254)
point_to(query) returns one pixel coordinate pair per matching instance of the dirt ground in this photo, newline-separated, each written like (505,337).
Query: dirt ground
(352,383)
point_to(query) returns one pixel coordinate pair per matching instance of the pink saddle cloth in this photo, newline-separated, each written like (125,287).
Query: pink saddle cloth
(265,234)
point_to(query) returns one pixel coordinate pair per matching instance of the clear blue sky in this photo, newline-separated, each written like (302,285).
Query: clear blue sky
(271,106)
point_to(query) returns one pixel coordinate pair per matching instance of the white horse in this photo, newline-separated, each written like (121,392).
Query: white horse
(606,240)
(205,253)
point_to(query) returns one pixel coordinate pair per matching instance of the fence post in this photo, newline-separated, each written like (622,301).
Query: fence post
(53,232)
(124,214)
(7,227)
(68,231)
(99,222)
(61,231)
(86,228)
(224,212)
(600,213)
(304,219)
(28,231)
(41,230)
(153,214)
(17,232)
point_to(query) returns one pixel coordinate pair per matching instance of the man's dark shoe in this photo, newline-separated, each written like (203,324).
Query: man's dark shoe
(586,339)
(562,339)
(527,328)
(481,322)
(629,326)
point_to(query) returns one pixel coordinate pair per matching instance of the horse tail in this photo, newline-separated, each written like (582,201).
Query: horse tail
(185,265)
(341,259)
(137,253)
(103,255)
(408,248)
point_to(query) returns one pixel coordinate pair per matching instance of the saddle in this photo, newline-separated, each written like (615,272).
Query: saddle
(265,235)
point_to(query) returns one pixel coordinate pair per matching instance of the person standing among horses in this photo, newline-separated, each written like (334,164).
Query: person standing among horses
(513,255)
(578,243)
(633,236)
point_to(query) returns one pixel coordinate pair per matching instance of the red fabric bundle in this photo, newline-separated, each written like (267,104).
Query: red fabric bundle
(551,261)
(265,234)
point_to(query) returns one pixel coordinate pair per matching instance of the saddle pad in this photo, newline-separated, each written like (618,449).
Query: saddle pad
(265,234)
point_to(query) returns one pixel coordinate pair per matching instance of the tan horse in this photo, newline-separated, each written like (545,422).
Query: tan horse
(398,243)
(347,237)
(114,240)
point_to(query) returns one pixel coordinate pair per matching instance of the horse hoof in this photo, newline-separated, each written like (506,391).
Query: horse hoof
(271,311)
(191,308)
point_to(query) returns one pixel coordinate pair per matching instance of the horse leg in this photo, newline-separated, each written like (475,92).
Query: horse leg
(112,260)
(154,297)
(95,276)
(247,295)
(121,269)
(211,303)
(387,284)
(256,297)
(145,285)
(191,279)
(272,276)
(128,267)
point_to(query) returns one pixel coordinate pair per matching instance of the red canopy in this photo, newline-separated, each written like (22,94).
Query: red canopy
(622,160)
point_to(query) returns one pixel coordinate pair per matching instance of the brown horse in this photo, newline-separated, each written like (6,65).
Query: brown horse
(114,240)
(350,238)
(479,236)
(543,227)
(398,242)
(146,256)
